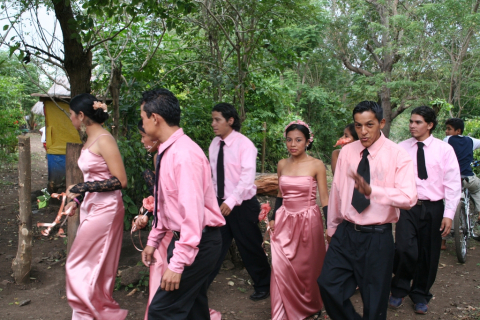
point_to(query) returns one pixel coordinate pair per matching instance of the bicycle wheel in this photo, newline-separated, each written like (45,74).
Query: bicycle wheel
(461,232)
(474,223)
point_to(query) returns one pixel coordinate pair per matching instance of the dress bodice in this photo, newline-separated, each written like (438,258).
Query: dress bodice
(299,192)
(93,166)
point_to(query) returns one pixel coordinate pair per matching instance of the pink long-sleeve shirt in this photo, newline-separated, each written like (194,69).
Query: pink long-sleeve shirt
(239,158)
(186,199)
(444,181)
(391,179)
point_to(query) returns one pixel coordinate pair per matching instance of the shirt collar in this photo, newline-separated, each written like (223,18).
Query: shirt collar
(230,138)
(376,146)
(426,142)
(174,137)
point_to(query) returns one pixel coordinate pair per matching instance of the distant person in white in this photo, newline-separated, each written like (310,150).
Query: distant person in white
(44,137)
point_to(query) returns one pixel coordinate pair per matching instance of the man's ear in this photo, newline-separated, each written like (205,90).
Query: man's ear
(230,121)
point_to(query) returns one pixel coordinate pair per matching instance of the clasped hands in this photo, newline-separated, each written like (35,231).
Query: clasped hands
(72,205)
(170,279)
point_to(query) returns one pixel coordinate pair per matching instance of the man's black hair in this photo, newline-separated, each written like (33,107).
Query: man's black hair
(228,111)
(428,115)
(302,129)
(351,129)
(369,106)
(140,126)
(164,103)
(456,124)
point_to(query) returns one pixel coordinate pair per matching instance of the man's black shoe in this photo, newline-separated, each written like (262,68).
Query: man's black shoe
(256,296)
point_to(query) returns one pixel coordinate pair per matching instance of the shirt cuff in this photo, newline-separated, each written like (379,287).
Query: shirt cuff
(175,267)
(331,231)
(449,214)
(230,202)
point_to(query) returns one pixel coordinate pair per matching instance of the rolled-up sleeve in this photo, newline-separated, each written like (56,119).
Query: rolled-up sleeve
(191,206)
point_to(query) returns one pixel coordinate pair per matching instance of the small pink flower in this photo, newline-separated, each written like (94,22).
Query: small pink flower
(265,209)
(149,203)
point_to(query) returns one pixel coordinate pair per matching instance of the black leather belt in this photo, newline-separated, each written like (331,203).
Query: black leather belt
(176,234)
(373,228)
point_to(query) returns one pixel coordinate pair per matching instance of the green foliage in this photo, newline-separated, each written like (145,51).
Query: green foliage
(136,161)
(43,199)
(11,117)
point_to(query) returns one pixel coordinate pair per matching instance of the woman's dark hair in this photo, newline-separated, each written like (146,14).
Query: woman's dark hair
(164,103)
(303,130)
(84,103)
(428,115)
(140,126)
(228,111)
(456,124)
(351,129)
(369,106)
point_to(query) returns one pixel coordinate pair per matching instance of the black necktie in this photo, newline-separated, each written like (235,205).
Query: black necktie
(421,167)
(359,202)
(220,172)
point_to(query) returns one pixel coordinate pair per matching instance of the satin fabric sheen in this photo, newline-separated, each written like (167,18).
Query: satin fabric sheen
(298,250)
(93,259)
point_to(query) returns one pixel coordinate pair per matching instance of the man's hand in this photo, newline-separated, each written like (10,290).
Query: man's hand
(271,224)
(147,255)
(361,185)
(225,209)
(446,226)
(329,239)
(70,195)
(141,222)
(170,280)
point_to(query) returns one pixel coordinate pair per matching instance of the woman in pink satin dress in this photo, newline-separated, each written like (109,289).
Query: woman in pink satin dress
(296,236)
(93,259)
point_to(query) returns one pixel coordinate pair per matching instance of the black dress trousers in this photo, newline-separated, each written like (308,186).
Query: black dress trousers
(418,240)
(242,225)
(357,259)
(190,301)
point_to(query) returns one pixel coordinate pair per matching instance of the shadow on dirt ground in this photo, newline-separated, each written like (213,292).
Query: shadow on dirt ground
(456,291)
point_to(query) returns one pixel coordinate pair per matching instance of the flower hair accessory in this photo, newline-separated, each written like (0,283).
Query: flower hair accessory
(301,123)
(101,105)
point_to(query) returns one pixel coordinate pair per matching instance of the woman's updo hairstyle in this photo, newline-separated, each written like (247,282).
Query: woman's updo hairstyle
(84,102)
(303,130)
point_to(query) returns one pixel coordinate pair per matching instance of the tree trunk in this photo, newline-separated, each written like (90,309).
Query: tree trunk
(77,60)
(115,84)
(73,175)
(22,264)
(387,109)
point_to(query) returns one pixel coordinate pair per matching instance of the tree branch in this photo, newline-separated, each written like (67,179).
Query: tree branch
(374,55)
(349,66)
(110,38)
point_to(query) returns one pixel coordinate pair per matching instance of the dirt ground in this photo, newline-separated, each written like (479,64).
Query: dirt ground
(456,291)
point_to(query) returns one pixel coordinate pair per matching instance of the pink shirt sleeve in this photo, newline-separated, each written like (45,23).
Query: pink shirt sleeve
(452,184)
(155,236)
(404,194)
(247,177)
(191,207)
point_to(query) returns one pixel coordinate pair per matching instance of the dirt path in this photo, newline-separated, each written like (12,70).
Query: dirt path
(457,289)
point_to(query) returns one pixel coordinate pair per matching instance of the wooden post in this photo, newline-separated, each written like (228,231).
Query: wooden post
(23,261)
(73,175)
(263,145)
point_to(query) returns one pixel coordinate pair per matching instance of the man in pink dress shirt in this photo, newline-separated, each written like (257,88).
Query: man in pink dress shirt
(418,234)
(233,160)
(185,204)
(373,179)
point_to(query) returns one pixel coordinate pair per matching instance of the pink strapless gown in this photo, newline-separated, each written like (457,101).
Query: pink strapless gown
(93,259)
(298,250)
